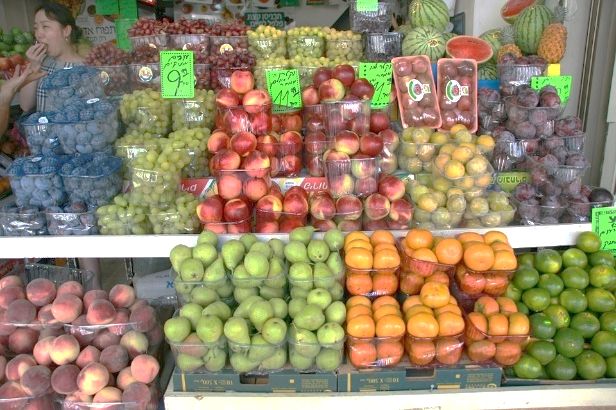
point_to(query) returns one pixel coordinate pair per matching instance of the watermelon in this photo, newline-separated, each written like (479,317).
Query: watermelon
(449,36)
(469,47)
(404,29)
(493,38)
(529,27)
(487,71)
(512,9)
(424,41)
(432,13)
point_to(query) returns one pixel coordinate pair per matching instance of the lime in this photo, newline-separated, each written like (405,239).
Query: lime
(536,299)
(586,323)
(548,261)
(602,276)
(552,283)
(558,315)
(608,321)
(602,258)
(600,300)
(526,259)
(573,300)
(522,308)
(513,292)
(527,367)
(590,365)
(611,366)
(588,242)
(574,257)
(568,342)
(575,278)
(562,368)
(525,277)
(604,343)
(541,326)
(541,350)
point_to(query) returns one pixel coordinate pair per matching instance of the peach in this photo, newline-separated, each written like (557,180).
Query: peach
(226,98)
(64,349)
(81,330)
(135,343)
(21,311)
(236,120)
(92,378)
(315,124)
(323,225)
(114,358)
(12,390)
(78,397)
(45,315)
(393,225)
(11,280)
(377,207)
(64,379)
(41,291)
(261,123)
(362,89)
(267,227)
(401,211)
(365,187)
(350,226)
(379,121)
(22,340)
(209,210)
(217,142)
(289,224)
(243,143)
(105,338)
(275,166)
(363,166)
(226,159)
(267,144)
(391,187)
(137,393)
(316,143)
(291,142)
(18,365)
(359,124)
(36,380)
(374,225)
(67,307)
(242,81)
(229,185)
(144,368)
(71,287)
(310,96)
(292,165)
(390,138)
(276,124)
(54,331)
(341,185)
(9,294)
(292,122)
(156,334)
(258,164)
(89,354)
(331,90)
(268,208)
(93,295)
(315,166)
(296,189)
(275,190)
(389,162)
(120,322)
(322,207)
(122,296)
(142,302)
(108,395)
(295,203)
(3,362)
(143,318)
(101,312)
(344,73)
(349,207)
(125,378)
(255,101)
(347,142)
(216,227)
(6,329)
(371,144)
(41,350)
(255,188)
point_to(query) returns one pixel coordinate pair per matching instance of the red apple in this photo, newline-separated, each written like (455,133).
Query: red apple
(310,96)
(332,90)
(321,75)
(345,74)
(362,89)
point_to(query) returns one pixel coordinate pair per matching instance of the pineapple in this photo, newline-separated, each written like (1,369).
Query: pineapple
(553,41)
(509,45)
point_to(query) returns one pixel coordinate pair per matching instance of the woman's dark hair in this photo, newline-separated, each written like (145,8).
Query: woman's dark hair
(61,14)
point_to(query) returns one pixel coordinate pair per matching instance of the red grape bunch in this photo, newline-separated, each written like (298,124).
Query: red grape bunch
(107,54)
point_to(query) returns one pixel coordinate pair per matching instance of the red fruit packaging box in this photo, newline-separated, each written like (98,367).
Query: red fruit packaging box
(457,93)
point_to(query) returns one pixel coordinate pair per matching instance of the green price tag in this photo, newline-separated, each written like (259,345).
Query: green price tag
(367,5)
(122,26)
(283,86)
(562,83)
(176,74)
(509,180)
(128,9)
(380,76)
(604,224)
(107,7)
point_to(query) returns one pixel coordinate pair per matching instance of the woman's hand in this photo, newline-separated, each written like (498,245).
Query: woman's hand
(36,54)
(21,77)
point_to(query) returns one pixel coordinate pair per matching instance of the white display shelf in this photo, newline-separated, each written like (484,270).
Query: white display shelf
(156,246)
(537,397)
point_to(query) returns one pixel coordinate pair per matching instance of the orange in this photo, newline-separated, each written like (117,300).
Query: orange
(508,353)
(449,251)
(425,254)
(422,325)
(362,354)
(486,305)
(471,283)
(384,311)
(470,236)
(466,245)
(504,260)
(481,350)
(410,302)
(495,236)
(413,310)
(448,350)
(506,305)
(434,294)
(411,283)
(357,310)
(479,257)
(438,276)
(477,326)
(382,246)
(496,284)
(421,352)
(453,301)
(356,235)
(384,300)
(385,284)
(450,324)
(358,243)
(389,352)
(499,246)
(518,324)
(386,259)
(382,236)
(359,258)
(404,245)
(419,238)
(448,308)
(358,300)
(498,325)
(390,326)
(361,326)
(359,283)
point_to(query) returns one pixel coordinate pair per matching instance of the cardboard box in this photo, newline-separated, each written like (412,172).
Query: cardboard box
(285,381)
(404,378)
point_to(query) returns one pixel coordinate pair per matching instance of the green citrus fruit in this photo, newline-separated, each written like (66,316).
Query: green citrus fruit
(526,259)
(541,350)
(573,300)
(536,299)
(586,323)
(602,258)
(552,283)
(525,277)
(602,276)
(574,257)
(590,365)
(588,242)
(604,343)
(562,368)
(568,342)
(600,300)
(574,278)
(522,308)
(558,315)
(608,321)
(527,367)
(611,366)
(541,326)
(548,261)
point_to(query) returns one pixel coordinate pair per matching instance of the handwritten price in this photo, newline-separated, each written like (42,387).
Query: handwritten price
(380,76)
(283,86)
(177,76)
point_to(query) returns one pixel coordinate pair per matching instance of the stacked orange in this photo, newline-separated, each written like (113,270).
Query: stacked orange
(495,330)
(440,253)
(371,263)
(375,330)
(434,326)
(489,263)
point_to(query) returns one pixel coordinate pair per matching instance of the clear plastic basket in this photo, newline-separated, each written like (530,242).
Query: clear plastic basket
(94,189)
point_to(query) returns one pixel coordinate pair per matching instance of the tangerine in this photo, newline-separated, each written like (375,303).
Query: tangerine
(434,294)
(356,235)
(390,326)
(422,325)
(385,284)
(449,251)
(411,283)
(386,259)
(448,350)
(389,352)
(357,310)
(410,302)
(470,237)
(438,276)
(504,260)
(481,350)
(359,284)
(477,326)
(385,310)
(362,354)
(359,258)
(421,352)
(495,236)
(419,238)
(361,326)
(425,254)
(479,257)
(450,324)
(358,300)
(384,300)
(382,236)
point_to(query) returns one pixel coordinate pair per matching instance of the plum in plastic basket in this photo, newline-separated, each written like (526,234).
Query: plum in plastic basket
(75,219)
(70,84)
(22,221)
(92,178)
(40,134)
(35,180)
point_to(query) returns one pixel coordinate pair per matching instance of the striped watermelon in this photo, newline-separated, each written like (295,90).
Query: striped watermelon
(529,26)
(424,41)
(487,71)
(493,38)
(449,36)
(469,47)
(512,9)
(404,29)
(432,13)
